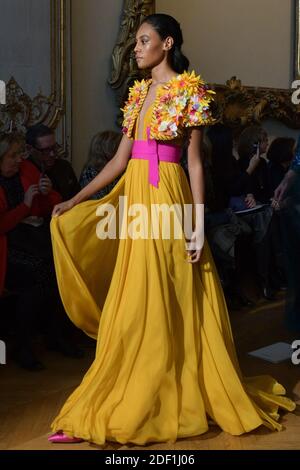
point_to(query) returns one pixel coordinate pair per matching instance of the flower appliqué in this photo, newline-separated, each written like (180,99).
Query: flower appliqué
(184,101)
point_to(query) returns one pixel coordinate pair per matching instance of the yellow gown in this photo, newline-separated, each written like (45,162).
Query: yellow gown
(165,358)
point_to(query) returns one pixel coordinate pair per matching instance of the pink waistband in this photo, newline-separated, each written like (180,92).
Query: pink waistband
(154,152)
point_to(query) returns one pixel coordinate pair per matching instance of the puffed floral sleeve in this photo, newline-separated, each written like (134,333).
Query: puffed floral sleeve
(198,110)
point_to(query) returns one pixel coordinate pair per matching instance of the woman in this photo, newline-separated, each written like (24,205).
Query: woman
(287,199)
(26,263)
(165,356)
(248,188)
(280,155)
(249,176)
(102,149)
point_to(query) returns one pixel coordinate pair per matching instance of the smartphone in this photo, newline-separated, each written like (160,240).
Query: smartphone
(43,172)
(256,149)
(43,169)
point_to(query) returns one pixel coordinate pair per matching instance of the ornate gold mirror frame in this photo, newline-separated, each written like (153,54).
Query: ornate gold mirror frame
(235,105)
(21,110)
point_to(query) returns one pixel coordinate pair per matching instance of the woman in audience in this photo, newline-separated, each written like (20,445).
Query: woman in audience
(102,149)
(226,232)
(25,252)
(280,156)
(287,199)
(26,260)
(248,189)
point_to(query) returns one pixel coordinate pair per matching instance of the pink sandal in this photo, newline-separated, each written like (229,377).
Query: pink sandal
(61,438)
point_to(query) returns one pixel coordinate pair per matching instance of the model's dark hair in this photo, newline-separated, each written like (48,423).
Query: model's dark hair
(166,25)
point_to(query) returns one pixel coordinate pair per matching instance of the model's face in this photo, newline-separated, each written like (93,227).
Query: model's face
(150,49)
(11,161)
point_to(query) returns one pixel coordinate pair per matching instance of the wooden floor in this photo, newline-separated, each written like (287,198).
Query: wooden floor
(30,400)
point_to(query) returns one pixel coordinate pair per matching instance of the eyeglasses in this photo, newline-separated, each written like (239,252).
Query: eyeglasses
(47,150)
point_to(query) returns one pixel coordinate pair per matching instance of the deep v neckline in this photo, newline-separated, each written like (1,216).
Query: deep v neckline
(151,106)
(145,113)
(140,122)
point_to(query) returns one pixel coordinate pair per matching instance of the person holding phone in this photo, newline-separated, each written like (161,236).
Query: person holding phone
(45,184)
(286,202)
(44,154)
(26,265)
(249,184)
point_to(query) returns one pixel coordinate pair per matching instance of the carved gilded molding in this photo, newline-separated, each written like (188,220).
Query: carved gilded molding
(21,110)
(124,69)
(238,105)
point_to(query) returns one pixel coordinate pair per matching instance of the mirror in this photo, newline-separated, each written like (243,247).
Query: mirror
(33,58)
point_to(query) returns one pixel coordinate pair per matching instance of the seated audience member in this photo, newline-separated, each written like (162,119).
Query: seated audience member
(42,148)
(249,175)
(249,182)
(25,249)
(287,202)
(280,155)
(239,180)
(102,149)
(226,232)
(26,261)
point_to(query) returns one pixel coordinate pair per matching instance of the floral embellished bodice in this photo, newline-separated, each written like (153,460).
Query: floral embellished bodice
(184,101)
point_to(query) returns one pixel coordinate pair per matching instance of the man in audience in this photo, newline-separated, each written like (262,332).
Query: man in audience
(43,153)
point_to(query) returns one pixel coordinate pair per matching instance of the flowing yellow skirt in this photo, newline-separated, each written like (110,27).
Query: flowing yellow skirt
(165,358)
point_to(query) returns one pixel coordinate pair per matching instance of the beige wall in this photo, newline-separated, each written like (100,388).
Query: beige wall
(251,39)
(222,38)
(95,26)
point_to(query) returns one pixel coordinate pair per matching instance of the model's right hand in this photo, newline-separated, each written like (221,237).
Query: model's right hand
(59,209)
(32,191)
